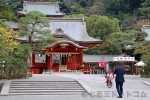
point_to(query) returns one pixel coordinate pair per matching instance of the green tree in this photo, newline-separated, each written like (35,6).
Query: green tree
(114,7)
(101,27)
(127,41)
(35,28)
(125,10)
(83,3)
(6,13)
(76,9)
(146,3)
(12,65)
(122,42)
(144,50)
(145,9)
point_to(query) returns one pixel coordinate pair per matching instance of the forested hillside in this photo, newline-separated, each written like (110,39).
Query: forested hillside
(127,11)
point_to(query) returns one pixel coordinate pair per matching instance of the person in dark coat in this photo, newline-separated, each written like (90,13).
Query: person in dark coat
(119,71)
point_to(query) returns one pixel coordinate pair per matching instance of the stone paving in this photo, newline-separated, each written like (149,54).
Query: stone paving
(97,83)
(132,86)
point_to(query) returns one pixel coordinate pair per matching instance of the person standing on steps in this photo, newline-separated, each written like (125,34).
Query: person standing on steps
(119,71)
(102,65)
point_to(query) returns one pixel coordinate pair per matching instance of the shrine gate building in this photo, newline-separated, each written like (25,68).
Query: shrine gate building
(73,39)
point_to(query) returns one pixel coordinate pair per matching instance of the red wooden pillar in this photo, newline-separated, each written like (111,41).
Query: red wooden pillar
(73,61)
(81,59)
(67,61)
(33,60)
(49,62)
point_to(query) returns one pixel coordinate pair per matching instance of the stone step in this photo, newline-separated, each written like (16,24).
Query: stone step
(22,91)
(43,82)
(46,84)
(52,93)
(47,88)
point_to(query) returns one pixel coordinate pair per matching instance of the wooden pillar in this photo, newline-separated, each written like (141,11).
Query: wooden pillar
(33,60)
(81,58)
(70,63)
(71,67)
(67,61)
(75,61)
(89,64)
(132,68)
(136,68)
(49,62)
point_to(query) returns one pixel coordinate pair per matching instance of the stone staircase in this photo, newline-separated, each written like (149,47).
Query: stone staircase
(45,88)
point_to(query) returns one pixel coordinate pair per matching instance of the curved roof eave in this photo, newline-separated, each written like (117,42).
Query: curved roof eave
(65,34)
(24,12)
(66,41)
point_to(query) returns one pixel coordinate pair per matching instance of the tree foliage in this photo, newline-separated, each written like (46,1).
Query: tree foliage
(101,27)
(122,6)
(144,50)
(7,41)
(6,13)
(127,41)
(139,23)
(35,28)
(121,42)
(12,64)
(144,11)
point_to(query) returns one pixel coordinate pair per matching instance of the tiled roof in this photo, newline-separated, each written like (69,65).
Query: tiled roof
(48,8)
(74,29)
(12,24)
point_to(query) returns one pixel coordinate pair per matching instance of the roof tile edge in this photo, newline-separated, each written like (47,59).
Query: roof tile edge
(48,3)
(66,19)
